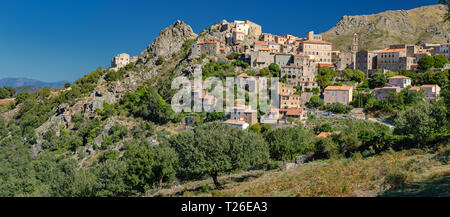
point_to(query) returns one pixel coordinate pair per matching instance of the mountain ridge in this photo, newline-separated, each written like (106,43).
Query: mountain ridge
(377,31)
(22,81)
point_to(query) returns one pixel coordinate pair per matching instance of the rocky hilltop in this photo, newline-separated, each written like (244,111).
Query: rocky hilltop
(170,41)
(419,25)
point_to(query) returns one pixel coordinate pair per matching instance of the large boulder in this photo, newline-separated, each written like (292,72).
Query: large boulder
(169,41)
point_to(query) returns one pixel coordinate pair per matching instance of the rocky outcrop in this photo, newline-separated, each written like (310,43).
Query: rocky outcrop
(419,25)
(169,41)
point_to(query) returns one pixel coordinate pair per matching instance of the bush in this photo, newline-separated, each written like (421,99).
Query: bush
(315,102)
(115,75)
(439,61)
(426,62)
(339,108)
(7,92)
(110,155)
(148,104)
(286,143)
(397,179)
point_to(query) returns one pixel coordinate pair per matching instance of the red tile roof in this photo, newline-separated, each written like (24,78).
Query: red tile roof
(301,55)
(323,135)
(339,88)
(398,76)
(389,50)
(290,95)
(429,85)
(325,65)
(243,75)
(316,42)
(293,112)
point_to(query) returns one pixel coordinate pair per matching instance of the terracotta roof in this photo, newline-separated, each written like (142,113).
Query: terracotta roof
(317,42)
(293,112)
(230,121)
(290,95)
(339,88)
(222,48)
(325,65)
(301,55)
(260,42)
(414,88)
(389,50)
(429,85)
(284,54)
(398,76)
(243,75)
(385,88)
(323,135)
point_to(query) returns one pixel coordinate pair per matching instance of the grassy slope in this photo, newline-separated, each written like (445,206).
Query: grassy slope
(406,173)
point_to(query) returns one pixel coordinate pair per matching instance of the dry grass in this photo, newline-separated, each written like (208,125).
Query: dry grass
(332,178)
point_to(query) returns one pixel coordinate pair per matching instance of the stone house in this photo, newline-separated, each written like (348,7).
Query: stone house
(208,48)
(280,116)
(274,46)
(267,37)
(304,85)
(292,73)
(283,59)
(390,58)
(308,66)
(240,124)
(244,113)
(295,113)
(400,81)
(120,61)
(366,61)
(289,101)
(238,37)
(285,89)
(250,29)
(318,49)
(259,44)
(280,39)
(432,91)
(444,49)
(343,60)
(338,94)
(383,92)
(262,58)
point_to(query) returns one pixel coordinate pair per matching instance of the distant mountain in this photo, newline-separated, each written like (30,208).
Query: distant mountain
(19,82)
(27,89)
(377,31)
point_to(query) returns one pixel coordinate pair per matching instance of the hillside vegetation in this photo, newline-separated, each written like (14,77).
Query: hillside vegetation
(405,173)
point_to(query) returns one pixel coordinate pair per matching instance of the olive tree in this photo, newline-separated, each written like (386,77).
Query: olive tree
(214,148)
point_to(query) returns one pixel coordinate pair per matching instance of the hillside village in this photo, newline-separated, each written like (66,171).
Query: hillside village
(299,61)
(350,121)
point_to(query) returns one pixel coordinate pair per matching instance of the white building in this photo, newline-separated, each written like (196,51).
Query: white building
(235,123)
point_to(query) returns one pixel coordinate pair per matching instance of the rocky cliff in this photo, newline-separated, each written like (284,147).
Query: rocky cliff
(167,45)
(419,25)
(170,41)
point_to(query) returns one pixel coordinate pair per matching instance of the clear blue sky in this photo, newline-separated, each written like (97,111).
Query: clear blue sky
(65,39)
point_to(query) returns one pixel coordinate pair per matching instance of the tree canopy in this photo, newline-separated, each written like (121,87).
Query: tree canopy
(214,148)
